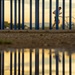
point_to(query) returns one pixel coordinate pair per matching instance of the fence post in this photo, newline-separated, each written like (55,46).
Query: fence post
(70,67)
(18,14)
(57,4)
(63,64)
(63,25)
(70,13)
(10,14)
(30,61)
(22,61)
(57,64)
(18,62)
(2,13)
(50,61)
(36,14)
(22,14)
(42,61)
(15,11)
(2,63)
(43,14)
(36,61)
(30,14)
(50,15)
(10,62)
(15,63)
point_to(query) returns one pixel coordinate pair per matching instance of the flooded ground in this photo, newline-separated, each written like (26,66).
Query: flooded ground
(59,51)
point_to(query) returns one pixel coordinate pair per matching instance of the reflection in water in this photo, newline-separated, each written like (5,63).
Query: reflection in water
(54,52)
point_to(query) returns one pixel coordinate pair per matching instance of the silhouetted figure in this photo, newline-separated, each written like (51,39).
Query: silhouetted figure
(58,16)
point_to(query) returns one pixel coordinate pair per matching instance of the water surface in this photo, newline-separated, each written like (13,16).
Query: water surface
(46,58)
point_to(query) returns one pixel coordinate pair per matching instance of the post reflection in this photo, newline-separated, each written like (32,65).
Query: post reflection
(38,61)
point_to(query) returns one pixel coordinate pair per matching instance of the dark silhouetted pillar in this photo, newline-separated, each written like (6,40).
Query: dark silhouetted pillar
(10,14)
(70,14)
(15,13)
(30,14)
(22,14)
(36,61)
(10,62)
(36,14)
(50,15)
(0,14)
(57,4)
(63,19)
(43,14)
(19,14)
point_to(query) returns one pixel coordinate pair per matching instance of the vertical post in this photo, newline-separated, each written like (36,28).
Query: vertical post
(18,14)
(22,14)
(2,25)
(50,61)
(30,14)
(15,63)
(43,14)
(22,61)
(63,25)
(43,62)
(57,58)
(63,64)
(0,14)
(19,62)
(70,67)
(15,11)
(10,62)
(70,13)
(2,63)
(10,14)
(37,61)
(30,61)
(57,4)
(36,14)
(50,15)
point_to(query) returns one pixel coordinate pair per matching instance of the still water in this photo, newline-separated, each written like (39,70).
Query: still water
(46,59)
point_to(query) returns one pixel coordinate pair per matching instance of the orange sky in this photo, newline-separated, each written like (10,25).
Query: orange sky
(7,10)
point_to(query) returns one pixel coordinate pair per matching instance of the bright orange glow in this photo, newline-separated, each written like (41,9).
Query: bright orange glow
(27,15)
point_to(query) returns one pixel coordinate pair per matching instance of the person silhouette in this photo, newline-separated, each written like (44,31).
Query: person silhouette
(54,12)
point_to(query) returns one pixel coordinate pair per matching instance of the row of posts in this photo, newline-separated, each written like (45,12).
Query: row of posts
(36,62)
(36,14)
